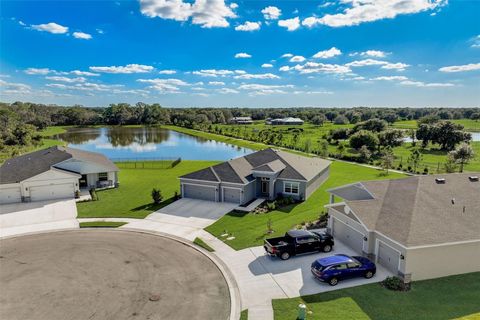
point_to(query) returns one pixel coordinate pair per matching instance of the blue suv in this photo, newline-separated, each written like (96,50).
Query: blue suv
(338,267)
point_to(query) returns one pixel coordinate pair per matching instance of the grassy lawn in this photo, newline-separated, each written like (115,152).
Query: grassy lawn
(470,125)
(199,242)
(132,199)
(101,224)
(244,315)
(250,229)
(438,299)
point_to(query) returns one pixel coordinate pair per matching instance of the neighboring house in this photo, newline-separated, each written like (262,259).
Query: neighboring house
(263,174)
(54,173)
(241,120)
(419,227)
(284,121)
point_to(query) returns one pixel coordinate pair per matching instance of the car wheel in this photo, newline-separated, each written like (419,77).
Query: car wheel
(368,274)
(285,256)
(333,281)
(327,248)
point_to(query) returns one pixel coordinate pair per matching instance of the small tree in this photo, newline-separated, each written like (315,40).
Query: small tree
(270,226)
(323,147)
(462,154)
(365,154)
(157,196)
(387,159)
(340,149)
(450,164)
(415,158)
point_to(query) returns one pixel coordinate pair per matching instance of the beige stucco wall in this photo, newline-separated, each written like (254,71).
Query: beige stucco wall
(441,261)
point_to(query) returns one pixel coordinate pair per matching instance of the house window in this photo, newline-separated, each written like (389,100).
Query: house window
(103,176)
(290,187)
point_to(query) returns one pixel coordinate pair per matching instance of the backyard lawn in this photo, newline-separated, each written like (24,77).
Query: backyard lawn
(132,199)
(250,229)
(446,298)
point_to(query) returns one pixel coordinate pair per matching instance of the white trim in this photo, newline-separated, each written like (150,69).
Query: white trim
(201,185)
(296,180)
(291,187)
(331,205)
(359,220)
(217,182)
(377,245)
(443,244)
(354,229)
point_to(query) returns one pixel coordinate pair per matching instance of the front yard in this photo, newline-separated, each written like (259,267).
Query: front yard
(438,299)
(132,199)
(250,229)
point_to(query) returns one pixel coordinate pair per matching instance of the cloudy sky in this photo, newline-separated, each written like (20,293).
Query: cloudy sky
(242,53)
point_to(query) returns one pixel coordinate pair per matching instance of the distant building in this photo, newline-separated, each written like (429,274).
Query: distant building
(284,121)
(241,120)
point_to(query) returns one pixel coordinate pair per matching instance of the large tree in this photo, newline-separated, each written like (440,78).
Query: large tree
(364,138)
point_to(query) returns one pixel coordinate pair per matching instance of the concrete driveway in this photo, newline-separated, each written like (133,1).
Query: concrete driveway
(20,218)
(184,218)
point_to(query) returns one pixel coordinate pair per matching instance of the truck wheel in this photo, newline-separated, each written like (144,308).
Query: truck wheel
(333,282)
(327,248)
(285,256)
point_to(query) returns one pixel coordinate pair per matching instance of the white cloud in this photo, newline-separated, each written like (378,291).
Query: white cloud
(391,78)
(267,65)
(10,88)
(129,68)
(374,53)
(216,83)
(167,72)
(284,68)
(312,92)
(213,73)
(84,73)
(291,24)
(248,26)
(66,79)
(396,66)
(87,86)
(461,68)
(287,55)
(206,13)
(40,71)
(233,5)
(362,11)
(366,62)
(226,91)
(262,89)
(257,76)
(242,55)
(271,13)
(165,85)
(314,67)
(297,59)
(330,53)
(82,35)
(423,84)
(51,27)
(20,22)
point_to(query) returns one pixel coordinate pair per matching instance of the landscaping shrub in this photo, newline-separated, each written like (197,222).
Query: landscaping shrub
(394,283)
(271,205)
(93,194)
(156,196)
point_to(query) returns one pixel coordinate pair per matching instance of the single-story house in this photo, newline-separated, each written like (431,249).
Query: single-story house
(419,227)
(284,121)
(263,174)
(241,120)
(54,173)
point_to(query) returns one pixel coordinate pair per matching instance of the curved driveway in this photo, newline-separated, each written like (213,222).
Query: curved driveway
(108,275)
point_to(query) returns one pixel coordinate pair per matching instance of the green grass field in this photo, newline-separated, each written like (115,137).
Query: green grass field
(438,299)
(250,229)
(132,199)
(470,125)
(101,224)
(199,242)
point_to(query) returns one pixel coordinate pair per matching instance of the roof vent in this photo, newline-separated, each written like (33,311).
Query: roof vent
(440,180)
(473,178)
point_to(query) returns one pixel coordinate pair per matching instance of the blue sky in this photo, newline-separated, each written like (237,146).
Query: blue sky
(242,53)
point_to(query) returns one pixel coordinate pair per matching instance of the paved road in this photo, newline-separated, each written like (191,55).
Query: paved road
(102,274)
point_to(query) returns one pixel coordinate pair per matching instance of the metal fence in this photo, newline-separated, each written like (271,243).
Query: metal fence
(147,163)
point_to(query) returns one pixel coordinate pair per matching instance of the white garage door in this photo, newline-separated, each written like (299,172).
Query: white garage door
(348,235)
(10,195)
(231,195)
(388,257)
(199,192)
(51,192)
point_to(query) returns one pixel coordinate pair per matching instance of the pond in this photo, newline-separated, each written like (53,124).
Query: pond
(122,143)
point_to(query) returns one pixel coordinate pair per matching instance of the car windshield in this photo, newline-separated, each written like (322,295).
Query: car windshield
(356,261)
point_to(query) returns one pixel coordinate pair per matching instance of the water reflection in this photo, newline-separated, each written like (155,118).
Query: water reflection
(149,142)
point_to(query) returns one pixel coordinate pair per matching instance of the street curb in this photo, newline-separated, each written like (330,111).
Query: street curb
(234,292)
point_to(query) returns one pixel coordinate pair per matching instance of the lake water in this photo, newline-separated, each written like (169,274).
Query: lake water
(148,143)
(475,137)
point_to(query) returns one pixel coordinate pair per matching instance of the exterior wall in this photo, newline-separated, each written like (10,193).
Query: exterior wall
(301,189)
(249,192)
(440,261)
(317,181)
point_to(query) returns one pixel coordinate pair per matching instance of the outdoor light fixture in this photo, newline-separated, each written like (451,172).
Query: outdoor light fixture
(402,257)
(365,238)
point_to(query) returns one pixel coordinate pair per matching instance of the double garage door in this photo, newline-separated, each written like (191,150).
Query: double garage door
(10,195)
(348,235)
(52,192)
(199,192)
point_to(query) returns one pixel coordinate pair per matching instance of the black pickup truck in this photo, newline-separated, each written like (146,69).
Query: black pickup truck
(298,242)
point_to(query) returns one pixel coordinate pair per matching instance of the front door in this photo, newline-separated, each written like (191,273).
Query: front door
(83,181)
(265,187)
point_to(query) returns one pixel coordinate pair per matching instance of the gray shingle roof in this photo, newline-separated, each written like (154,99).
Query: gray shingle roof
(34,163)
(419,211)
(240,170)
